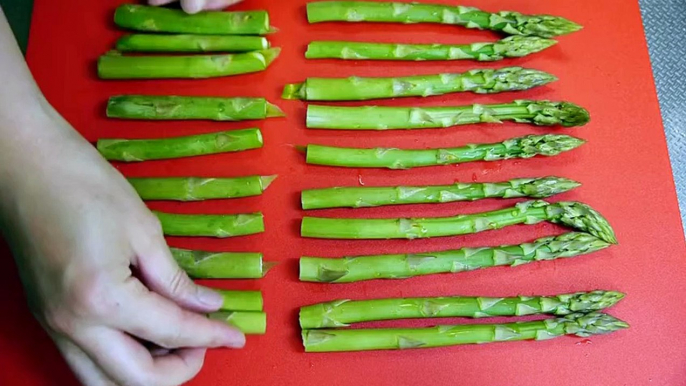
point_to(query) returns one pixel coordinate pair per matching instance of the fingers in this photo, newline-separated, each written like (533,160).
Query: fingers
(83,367)
(156,319)
(195,6)
(127,362)
(160,273)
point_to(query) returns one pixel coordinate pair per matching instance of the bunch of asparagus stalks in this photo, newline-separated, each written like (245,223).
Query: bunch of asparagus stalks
(219,44)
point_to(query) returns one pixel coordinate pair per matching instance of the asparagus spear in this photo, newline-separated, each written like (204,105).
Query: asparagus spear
(572,214)
(540,113)
(359,268)
(197,189)
(341,313)
(511,47)
(220,265)
(190,43)
(483,81)
(512,23)
(241,300)
(186,107)
(210,225)
(361,197)
(116,66)
(391,158)
(156,19)
(578,324)
(249,322)
(133,150)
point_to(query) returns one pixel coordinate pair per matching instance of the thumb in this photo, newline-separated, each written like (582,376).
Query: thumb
(195,6)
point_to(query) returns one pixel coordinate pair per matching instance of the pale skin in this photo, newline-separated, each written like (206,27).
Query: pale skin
(96,269)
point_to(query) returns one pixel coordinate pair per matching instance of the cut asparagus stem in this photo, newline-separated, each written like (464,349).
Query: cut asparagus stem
(368,196)
(116,66)
(392,158)
(186,107)
(247,322)
(156,19)
(341,313)
(360,268)
(190,43)
(483,81)
(540,113)
(583,325)
(219,265)
(511,47)
(571,214)
(512,23)
(134,150)
(241,300)
(198,189)
(211,225)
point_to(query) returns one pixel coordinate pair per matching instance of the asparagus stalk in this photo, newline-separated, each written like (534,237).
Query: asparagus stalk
(210,225)
(571,214)
(134,150)
(483,81)
(359,268)
(241,300)
(511,47)
(341,313)
(116,66)
(186,107)
(190,43)
(392,158)
(156,19)
(198,189)
(512,23)
(249,322)
(578,324)
(368,196)
(220,265)
(540,113)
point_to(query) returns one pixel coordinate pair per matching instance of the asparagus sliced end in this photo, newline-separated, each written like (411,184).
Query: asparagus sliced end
(265,181)
(293,91)
(273,111)
(582,217)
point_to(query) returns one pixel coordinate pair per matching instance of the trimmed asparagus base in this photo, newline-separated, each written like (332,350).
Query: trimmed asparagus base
(241,300)
(198,189)
(190,43)
(210,225)
(219,265)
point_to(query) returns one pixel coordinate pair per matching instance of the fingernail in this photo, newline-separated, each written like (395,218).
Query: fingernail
(236,339)
(209,298)
(219,4)
(193,6)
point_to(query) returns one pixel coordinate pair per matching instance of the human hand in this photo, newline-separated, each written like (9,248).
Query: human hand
(195,6)
(97,271)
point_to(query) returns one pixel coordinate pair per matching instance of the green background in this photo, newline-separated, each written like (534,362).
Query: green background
(18,12)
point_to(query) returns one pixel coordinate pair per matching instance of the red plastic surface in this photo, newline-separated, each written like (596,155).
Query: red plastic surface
(624,168)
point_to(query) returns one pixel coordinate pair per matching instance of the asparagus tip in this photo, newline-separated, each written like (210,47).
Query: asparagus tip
(589,301)
(547,145)
(546,113)
(266,181)
(512,79)
(594,323)
(517,46)
(545,26)
(547,186)
(273,111)
(572,244)
(582,217)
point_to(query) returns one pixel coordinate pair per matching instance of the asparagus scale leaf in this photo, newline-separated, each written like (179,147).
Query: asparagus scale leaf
(571,214)
(197,189)
(342,313)
(248,322)
(220,265)
(540,113)
(579,324)
(512,23)
(369,196)
(510,47)
(392,158)
(483,81)
(360,268)
(211,225)
(190,43)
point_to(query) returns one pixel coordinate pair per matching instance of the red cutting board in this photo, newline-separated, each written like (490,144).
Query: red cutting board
(624,168)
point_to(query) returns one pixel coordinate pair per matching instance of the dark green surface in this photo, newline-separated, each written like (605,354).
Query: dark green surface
(18,13)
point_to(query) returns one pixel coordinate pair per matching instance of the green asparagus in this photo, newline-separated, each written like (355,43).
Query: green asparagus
(190,43)
(483,81)
(512,23)
(210,225)
(241,300)
(540,113)
(134,150)
(571,214)
(186,107)
(583,325)
(392,158)
(248,322)
(220,265)
(341,313)
(197,189)
(113,65)
(156,19)
(511,47)
(368,196)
